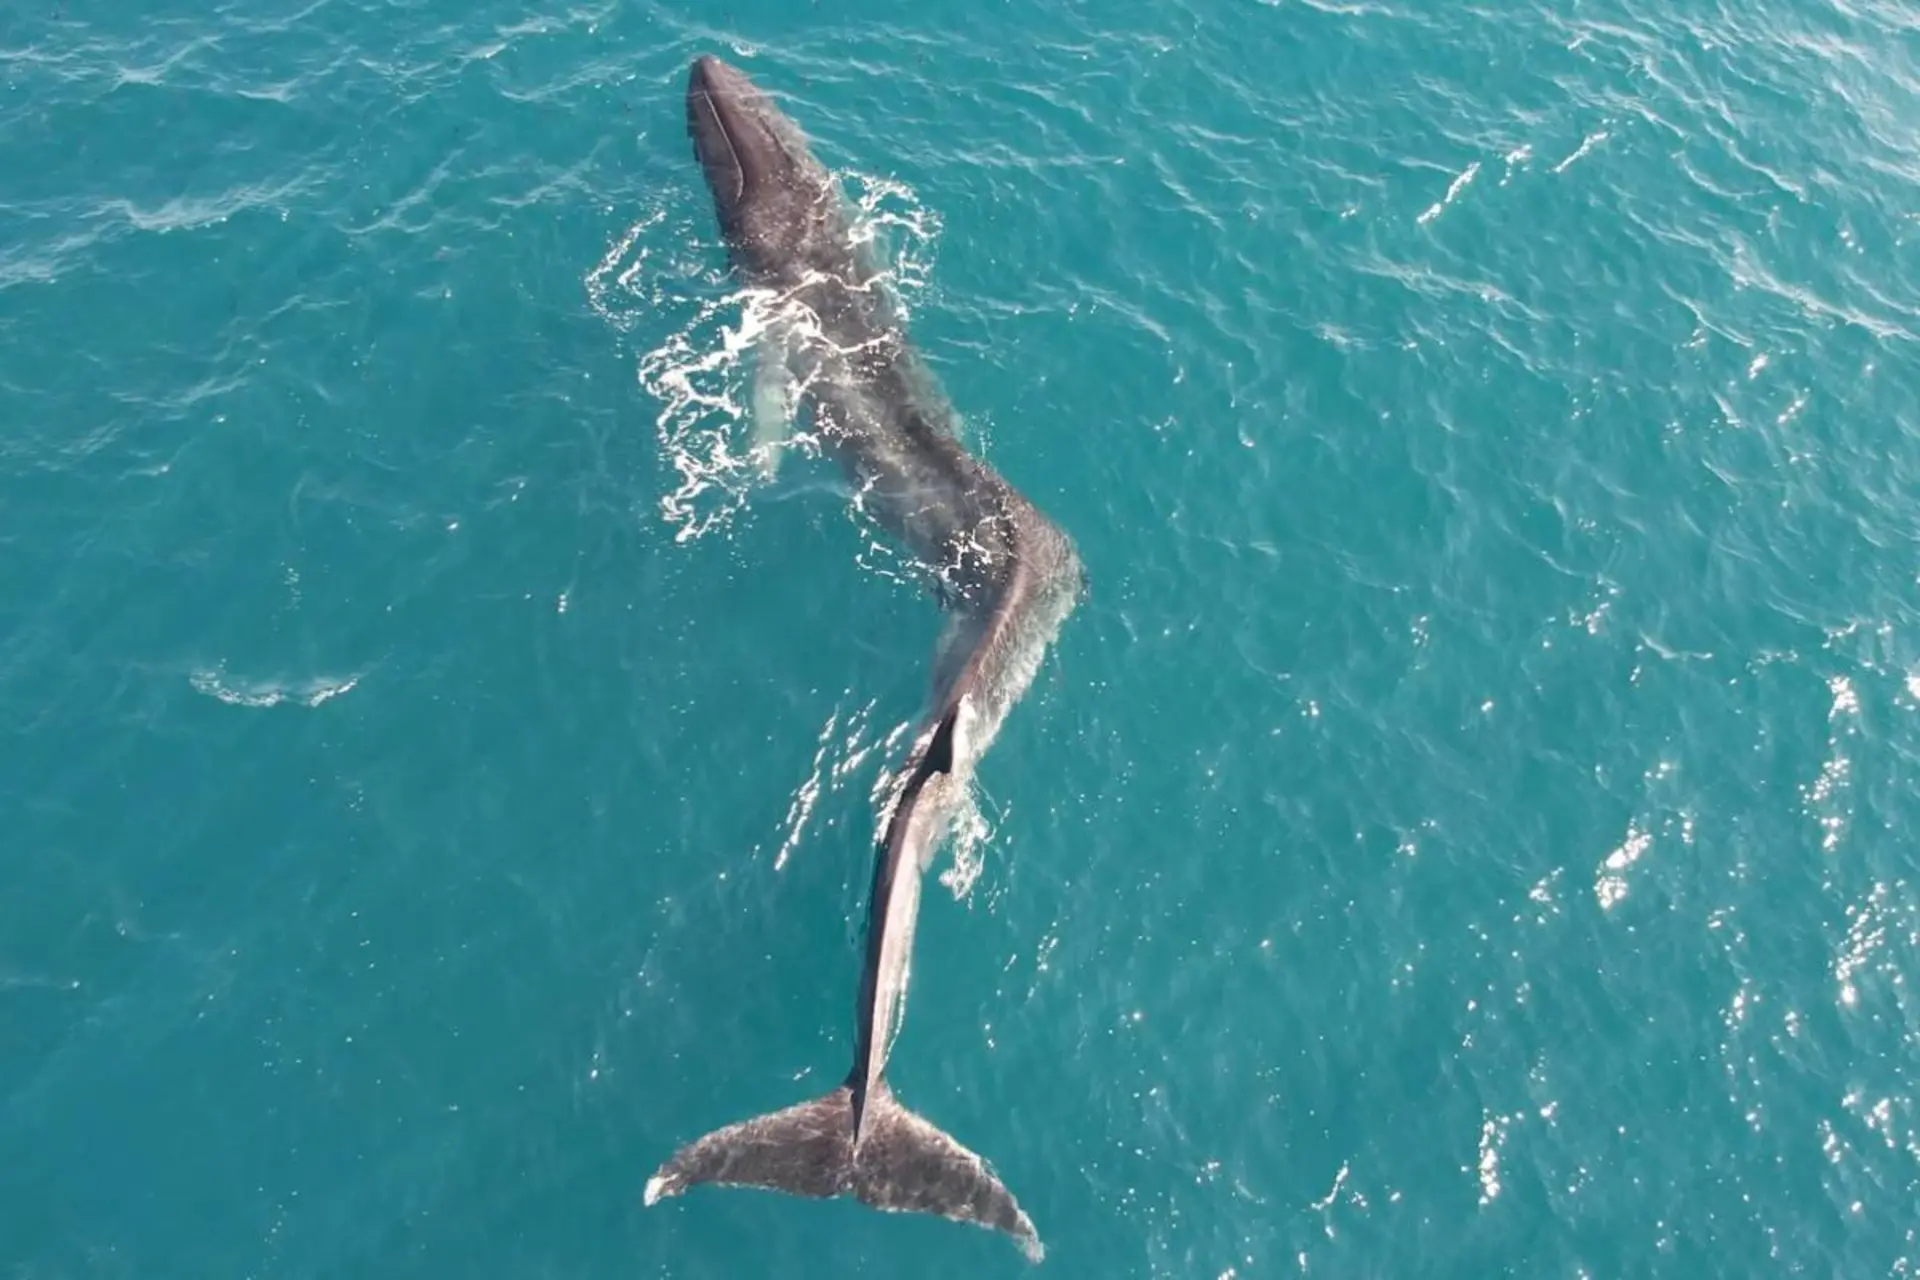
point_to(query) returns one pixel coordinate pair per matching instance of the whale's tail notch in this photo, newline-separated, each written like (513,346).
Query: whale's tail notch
(900,1163)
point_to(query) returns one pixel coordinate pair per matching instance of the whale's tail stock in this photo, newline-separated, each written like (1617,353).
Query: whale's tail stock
(896,1161)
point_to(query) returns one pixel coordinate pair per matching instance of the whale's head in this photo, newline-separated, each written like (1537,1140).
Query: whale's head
(773,199)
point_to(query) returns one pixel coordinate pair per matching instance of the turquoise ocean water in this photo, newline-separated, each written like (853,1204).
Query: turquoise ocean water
(1469,828)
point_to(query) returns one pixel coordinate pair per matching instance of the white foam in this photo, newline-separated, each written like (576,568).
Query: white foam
(1459,184)
(700,374)
(252,693)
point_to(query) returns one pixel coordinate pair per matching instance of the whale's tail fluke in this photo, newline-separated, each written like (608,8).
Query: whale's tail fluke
(899,1162)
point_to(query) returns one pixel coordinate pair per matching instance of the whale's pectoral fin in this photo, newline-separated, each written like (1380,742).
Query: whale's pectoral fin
(774,399)
(900,1163)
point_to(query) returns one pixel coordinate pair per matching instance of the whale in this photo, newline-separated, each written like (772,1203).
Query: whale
(1004,575)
